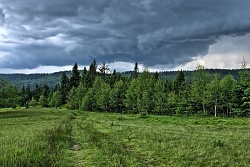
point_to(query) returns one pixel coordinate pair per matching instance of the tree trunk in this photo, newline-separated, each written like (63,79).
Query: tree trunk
(204,108)
(215,110)
(227,111)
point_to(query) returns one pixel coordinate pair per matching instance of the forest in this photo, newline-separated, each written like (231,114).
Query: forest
(203,92)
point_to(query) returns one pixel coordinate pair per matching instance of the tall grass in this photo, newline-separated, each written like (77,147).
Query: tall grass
(128,140)
(50,137)
(35,138)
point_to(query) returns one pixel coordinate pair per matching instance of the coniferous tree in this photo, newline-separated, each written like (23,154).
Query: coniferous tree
(179,83)
(84,75)
(90,77)
(145,96)
(64,88)
(104,69)
(75,77)
(113,79)
(136,71)
(117,96)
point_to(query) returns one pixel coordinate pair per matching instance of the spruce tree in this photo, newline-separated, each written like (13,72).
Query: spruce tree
(75,77)
(90,77)
(136,71)
(64,88)
(104,69)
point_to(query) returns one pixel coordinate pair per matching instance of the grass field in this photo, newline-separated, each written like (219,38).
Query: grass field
(49,137)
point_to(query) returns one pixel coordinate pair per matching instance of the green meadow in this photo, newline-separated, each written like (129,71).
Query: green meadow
(53,137)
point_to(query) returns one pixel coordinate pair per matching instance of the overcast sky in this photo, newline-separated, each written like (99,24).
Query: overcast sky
(51,35)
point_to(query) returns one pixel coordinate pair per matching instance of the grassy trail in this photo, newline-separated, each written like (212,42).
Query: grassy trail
(49,137)
(127,140)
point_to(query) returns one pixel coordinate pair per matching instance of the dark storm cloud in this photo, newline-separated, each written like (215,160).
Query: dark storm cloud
(152,32)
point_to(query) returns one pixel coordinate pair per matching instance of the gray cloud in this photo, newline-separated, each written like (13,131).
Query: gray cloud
(2,17)
(152,32)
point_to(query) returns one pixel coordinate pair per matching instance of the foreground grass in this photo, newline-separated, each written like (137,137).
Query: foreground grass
(33,137)
(128,140)
(49,137)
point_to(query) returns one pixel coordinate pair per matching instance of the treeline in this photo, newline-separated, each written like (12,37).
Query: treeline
(54,78)
(96,89)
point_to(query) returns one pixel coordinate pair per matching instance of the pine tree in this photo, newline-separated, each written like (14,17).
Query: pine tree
(146,91)
(136,71)
(75,77)
(64,88)
(91,75)
(179,83)
(104,69)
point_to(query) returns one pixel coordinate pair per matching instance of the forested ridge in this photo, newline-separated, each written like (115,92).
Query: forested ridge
(203,92)
(52,79)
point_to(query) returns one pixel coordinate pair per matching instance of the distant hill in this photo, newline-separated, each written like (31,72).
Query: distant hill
(32,79)
(54,78)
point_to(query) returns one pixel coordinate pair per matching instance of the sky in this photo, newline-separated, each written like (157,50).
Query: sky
(43,36)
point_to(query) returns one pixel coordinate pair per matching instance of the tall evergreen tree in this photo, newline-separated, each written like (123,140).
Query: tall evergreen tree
(64,88)
(90,77)
(104,69)
(136,71)
(179,82)
(75,77)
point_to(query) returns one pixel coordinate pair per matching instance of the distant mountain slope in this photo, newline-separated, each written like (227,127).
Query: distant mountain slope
(32,79)
(54,78)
